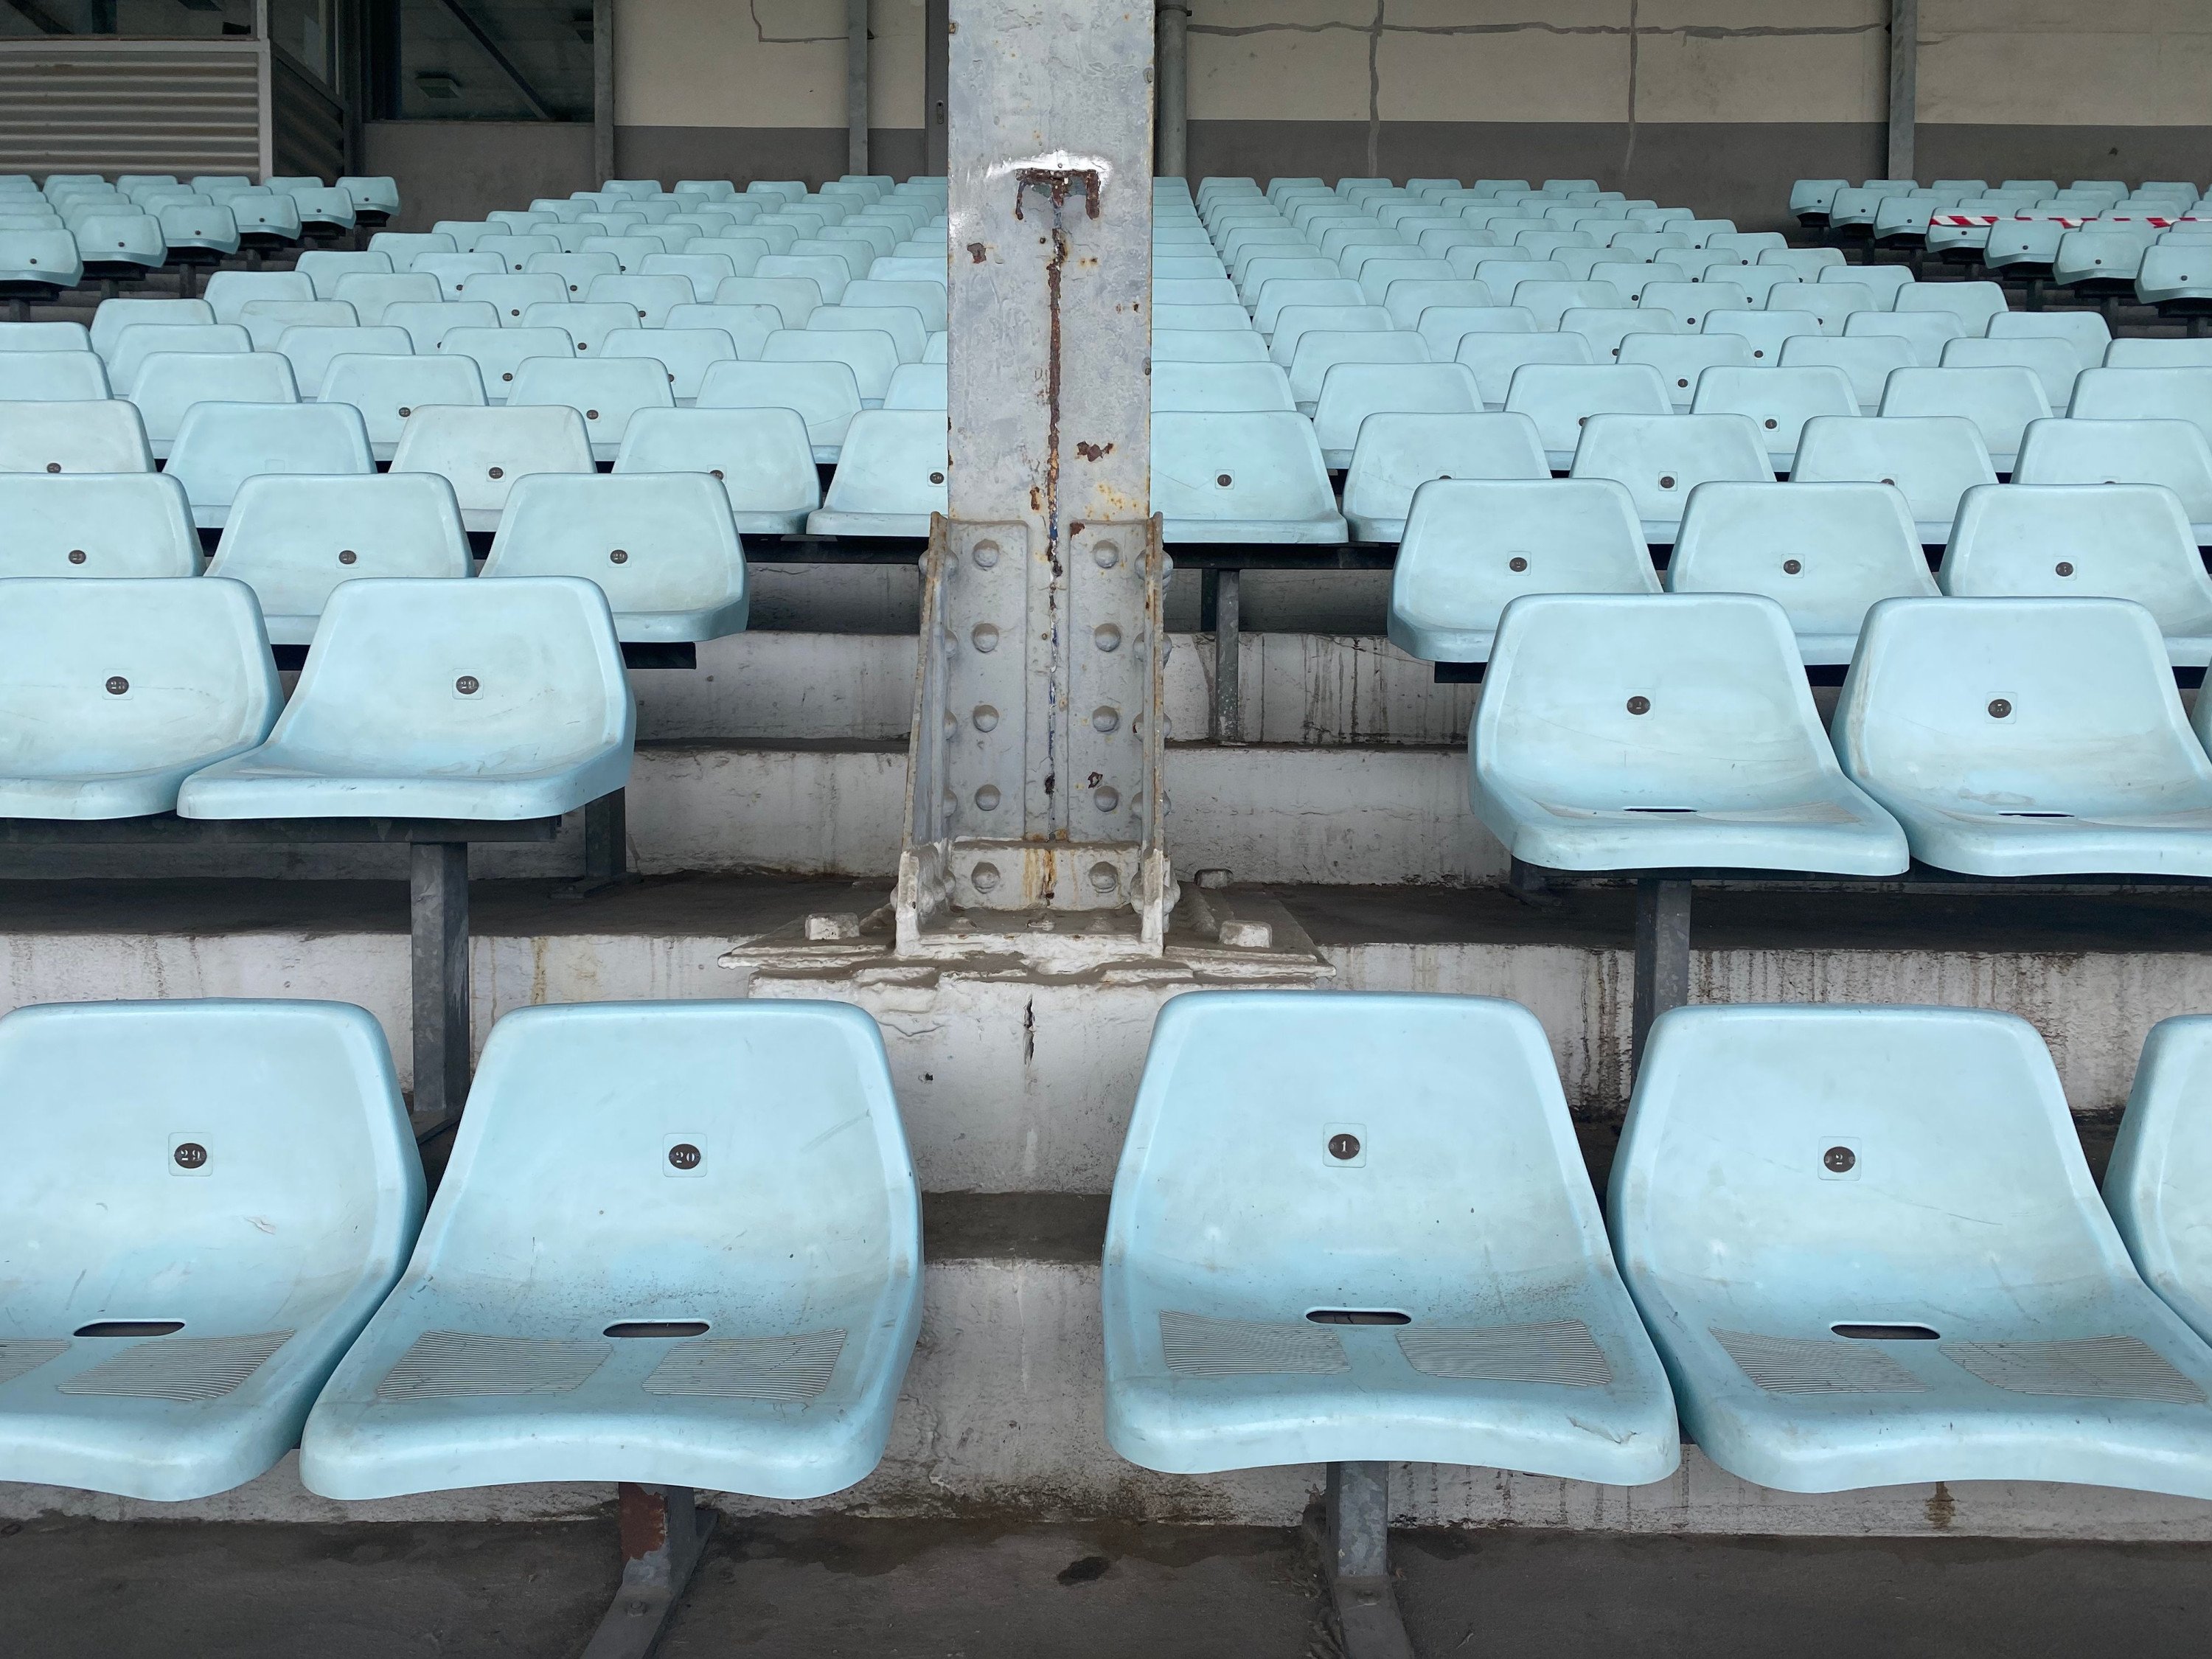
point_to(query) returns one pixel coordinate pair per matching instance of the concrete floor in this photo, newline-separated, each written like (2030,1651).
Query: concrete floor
(826,1589)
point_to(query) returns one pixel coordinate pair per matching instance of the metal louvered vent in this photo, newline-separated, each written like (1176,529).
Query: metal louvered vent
(450,1364)
(1198,1346)
(189,1369)
(1561,1352)
(20,1356)
(2093,1368)
(110,106)
(787,1369)
(1790,1364)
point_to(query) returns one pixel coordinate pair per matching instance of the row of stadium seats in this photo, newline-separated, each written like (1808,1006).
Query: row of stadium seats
(1843,1247)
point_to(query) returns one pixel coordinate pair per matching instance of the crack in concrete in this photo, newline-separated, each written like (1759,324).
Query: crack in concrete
(762,35)
(1686,31)
(1375,89)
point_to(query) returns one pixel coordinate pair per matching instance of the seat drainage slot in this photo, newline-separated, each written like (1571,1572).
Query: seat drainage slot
(131,1328)
(1357,1317)
(1887,1333)
(661,1327)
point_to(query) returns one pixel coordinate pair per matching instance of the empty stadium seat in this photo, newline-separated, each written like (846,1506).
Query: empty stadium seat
(370,292)
(2158,1183)
(761,456)
(2137,394)
(41,262)
(1682,359)
(439,699)
(1777,401)
(1660,458)
(481,451)
(1934,459)
(1350,391)
(1925,333)
(1560,398)
(606,393)
(1242,345)
(1195,386)
(2125,541)
(757,1347)
(87,436)
(824,393)
(267,321)
(2027,736)
(1690,303)
(293,539)
(228,291)
(870,354)
(2174,454)
(1766,332)
(112,693)
(1865,360)
(51,376)
(1823,552)
(1999,401)
(1427,1327)
(326,267)
(1241,478)
(387,390)
(1398,452)
(128,351)
(124,524)
(662,548)
(126,1374)
(1634,733)
(1910,1278)
(221,445)
(45,337)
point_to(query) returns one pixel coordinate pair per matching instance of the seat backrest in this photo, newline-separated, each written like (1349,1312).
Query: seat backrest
(587,325)
(498,354)
(1999,401)
(134,675)
(926,386)
(1216,386)
(1823,552)
(1560,398)
(1777,401)
(1766,332)
(1933,459)
(1229,1154)
(1264,465)
(293,539)
(1692,700)
(870,354)
(511,293)
(1471,547)
(2122,541)
(1682,359)
(296,1116)
(2174,454)
(228,291)
(221,445)
(1925,333)
(575,1109)
(1865,361)
(1350,391)
(761,457)
(120,523)
(2160,1176)
(86,435)
(326,267)
(45,337)
(685,355)
(1397,454)
(2053,362)
(824,394)
(1661,459)
(481,451)
(382,687)
(2040,704)
(51,376)
(266,321)
(130,349)
(311,350)
(369,292)
(651,541)
(2108,394)
(606,393)
(388,391)
(1965,1177)
(577,271)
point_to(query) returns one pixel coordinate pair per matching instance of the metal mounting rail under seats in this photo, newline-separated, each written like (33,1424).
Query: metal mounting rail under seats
(1035,781)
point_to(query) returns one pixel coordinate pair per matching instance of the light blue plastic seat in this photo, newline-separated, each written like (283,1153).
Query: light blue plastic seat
(45,337)
(2173,453)
(86,435)
(481,451)
(1472,546)
(576,272)
(1397,454)
(1293,323)
(685,355)
(1442,327)
(1415,1276)
(2159,1183)
(1607,328)
(1280,293)
(1681,359)
(221,445)
(388,391)
(758,1346)
(2053,362)
(748,326)
(2022,737)
(267,321)
(823,393)
(703,272)
(1805,264)
(458,273)
(890,477)
(2101,260)
(870,354)
(499,353)
(1868,1246)
(169,385)
(1690,303)
(123,524)
(1765,331)
(427,325)
(369,292)
(228,291)
(761,457)
(1408,298)
(1777,401)
(439,699)
(588,326)
(45,261)
(127,351)
(1865,361)
(1924,332)
(2134,352)
(651,297)
(2122,541)
(661,546)
(1661,459)
(326,267)
(1633,732)
(794,296)
(112,693)
(1560,398)
(1823,552)
(1350,392)
(156,1348)
(2136,394)
(511,294)
(1195,387)
(51,377)
(926,386)
(2176,275)
(1933,459)
(1999,401)
(1187,345)
(606,393)
(404,248)
(1829,304)
(1241,478)
(1320,351)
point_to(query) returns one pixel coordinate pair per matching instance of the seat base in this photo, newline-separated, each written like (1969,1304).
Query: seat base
(1356,1563)
(663,1534)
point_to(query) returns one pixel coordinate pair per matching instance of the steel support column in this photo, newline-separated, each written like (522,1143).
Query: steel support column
(1034,780)
(1172,91)
(603,91)
(1356,1562)
(856,86)
(438,906)
(937,39)
(1904,86)
(663,1531)
(1663,955)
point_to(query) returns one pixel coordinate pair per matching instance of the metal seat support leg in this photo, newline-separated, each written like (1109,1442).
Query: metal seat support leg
(438,917)
(663,1531)
(1663,955)
(1356,1561)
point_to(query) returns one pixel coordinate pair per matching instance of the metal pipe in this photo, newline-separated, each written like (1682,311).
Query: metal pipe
(856,86)
(936,67)
(603,91)
(1171,89)
(1904,85)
